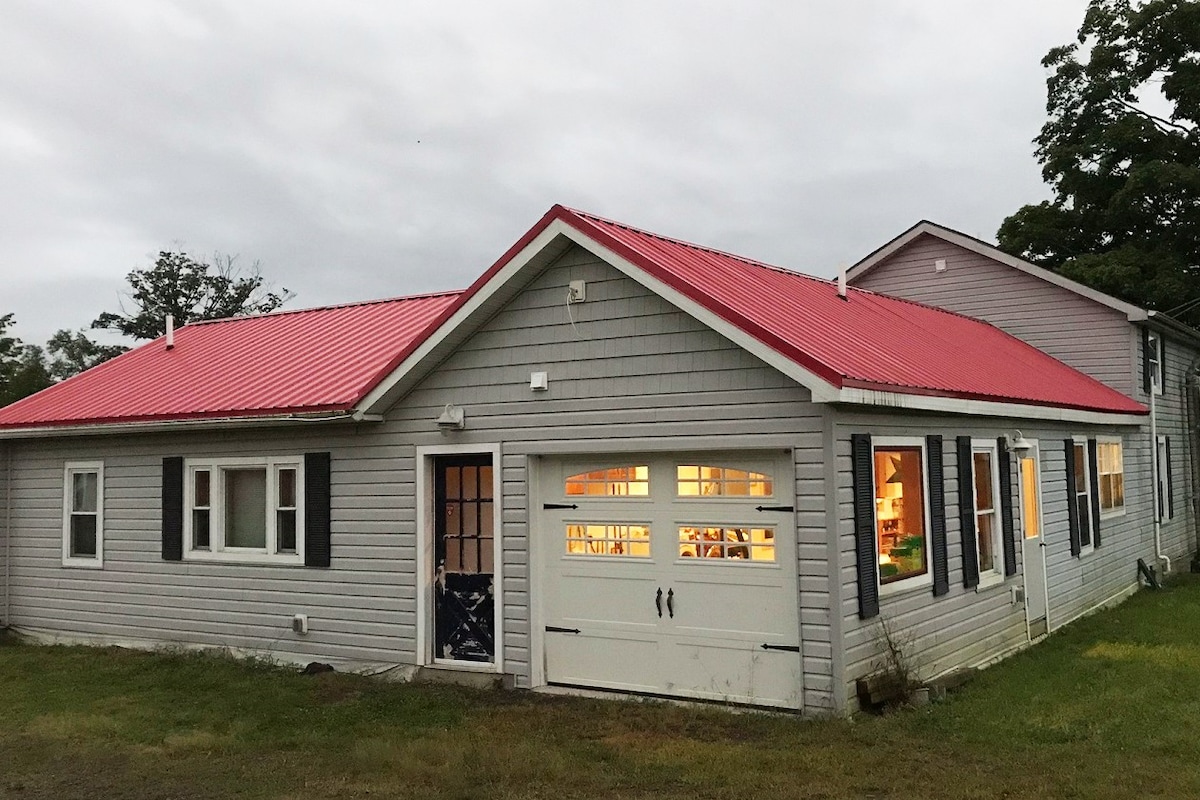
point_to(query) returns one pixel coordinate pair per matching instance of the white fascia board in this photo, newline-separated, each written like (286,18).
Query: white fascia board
(1131,312)
(983,408)
(822,390)
(378,395)
(166,426)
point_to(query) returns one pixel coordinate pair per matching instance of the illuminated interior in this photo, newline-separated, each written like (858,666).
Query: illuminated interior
(1029,498)
(698,481)
(754,544)
(900,514)
(609,540)
(1111,475)
(614,482)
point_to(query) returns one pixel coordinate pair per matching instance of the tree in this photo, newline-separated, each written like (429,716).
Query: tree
(1121,149)
(22,367)
(73,352)
(190,290)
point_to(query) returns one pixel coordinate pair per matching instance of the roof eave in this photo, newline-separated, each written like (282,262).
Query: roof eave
(185,423)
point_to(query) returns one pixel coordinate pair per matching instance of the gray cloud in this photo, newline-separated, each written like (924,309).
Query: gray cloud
(374,149)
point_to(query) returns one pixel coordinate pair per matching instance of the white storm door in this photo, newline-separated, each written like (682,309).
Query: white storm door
(1033,544)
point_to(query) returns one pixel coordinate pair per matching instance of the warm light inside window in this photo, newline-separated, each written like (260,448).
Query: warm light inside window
(754,544)
(1111,474)
(1029,498)
(609,540)
(614,482)
(900,514)
(700,481)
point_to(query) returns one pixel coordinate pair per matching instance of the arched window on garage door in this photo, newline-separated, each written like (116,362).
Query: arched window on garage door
(632,481)
(698,480)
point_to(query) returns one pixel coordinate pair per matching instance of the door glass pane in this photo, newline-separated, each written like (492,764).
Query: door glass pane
(246,508)
(608,540)
(1029,498)
(470,483)
(485,483)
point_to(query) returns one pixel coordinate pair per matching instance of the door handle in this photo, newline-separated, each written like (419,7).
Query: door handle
(670,603)
(658,601)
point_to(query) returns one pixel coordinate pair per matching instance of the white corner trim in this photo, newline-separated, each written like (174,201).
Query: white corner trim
(1131,312)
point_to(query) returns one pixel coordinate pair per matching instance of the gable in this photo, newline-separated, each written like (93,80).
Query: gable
(1094,338)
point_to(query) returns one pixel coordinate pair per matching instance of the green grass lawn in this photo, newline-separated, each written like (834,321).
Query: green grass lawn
(1106,709)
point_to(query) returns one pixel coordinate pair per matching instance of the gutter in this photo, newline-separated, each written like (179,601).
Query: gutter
(160,426)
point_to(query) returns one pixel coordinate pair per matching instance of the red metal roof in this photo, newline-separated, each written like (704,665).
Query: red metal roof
(865,340)
(328,359)
(293,362)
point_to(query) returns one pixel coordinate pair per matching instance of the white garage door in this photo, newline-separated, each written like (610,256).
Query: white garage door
(672,575)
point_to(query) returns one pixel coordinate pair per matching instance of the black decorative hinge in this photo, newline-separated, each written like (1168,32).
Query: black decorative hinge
(774,508)
(548,506)
(556,629)
(790,648)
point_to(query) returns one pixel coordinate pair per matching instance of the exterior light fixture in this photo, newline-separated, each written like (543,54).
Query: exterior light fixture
(1020,444)
(452,419)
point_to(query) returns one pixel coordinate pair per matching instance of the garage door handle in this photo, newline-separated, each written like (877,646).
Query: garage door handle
(670,603)
(658,601)
(774,508)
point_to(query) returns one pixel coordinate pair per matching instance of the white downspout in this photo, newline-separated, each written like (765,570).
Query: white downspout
(1159,555)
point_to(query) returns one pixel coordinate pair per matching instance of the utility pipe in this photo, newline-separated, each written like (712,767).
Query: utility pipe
(1159,555)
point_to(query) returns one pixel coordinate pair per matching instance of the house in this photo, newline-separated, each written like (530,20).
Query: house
(616,461)
(1146,355)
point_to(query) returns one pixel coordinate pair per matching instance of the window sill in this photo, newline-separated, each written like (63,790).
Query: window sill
(83,563)
(1086,550)
(262,559)
(1113,514)
(989,581)
(921,582)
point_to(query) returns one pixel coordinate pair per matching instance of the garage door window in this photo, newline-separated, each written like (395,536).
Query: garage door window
(609,540)
(746,544)
(615,482)
(694,480)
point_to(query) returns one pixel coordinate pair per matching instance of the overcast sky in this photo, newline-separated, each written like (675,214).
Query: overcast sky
(363,150)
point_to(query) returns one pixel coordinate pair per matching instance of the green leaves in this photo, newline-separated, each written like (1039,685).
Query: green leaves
(1121,148)
(190,290)
(22,366)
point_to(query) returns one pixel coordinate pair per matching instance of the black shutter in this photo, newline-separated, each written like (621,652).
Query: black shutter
(1007,528)
(1170,487)
(172,508)
(937,515)
(864,525)
(1093,462)
(1072,507)
(1146,360)
(966,513)
(316,510)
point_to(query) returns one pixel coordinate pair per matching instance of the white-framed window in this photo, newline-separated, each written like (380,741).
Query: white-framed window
(1162,475)
(1081,494)
(1110,473)
(901,514)
(244,509)
(83,514)
(1154,362)
(988,545)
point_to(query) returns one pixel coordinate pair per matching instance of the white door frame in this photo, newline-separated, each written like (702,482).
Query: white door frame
(425,459)
(1035,453)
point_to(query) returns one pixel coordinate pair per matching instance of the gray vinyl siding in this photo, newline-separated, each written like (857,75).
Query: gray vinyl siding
(1179,531)
(627,370)
(1088,336)
(361,609)
(970,627)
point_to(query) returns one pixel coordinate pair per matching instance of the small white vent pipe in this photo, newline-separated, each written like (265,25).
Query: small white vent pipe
(170,332)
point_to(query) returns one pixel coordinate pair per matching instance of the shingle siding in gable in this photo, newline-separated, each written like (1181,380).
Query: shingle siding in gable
(1092,338)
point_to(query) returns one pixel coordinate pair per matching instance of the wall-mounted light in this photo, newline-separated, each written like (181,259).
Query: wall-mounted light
(452,419)
(1020,444)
